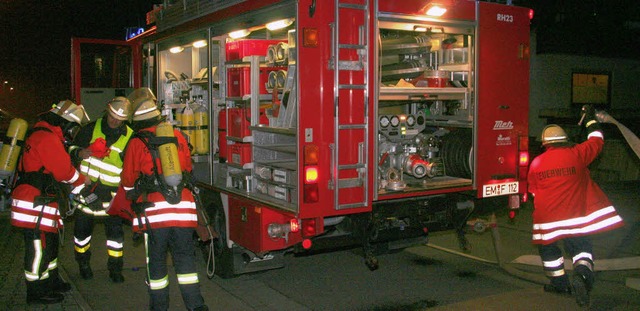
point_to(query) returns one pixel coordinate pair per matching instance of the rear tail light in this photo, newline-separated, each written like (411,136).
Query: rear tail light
(524,158)
(311,174)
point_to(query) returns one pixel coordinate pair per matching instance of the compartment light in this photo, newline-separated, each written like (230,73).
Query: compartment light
(419,29)
(200,44)
(239,33)
(435,10)
(176,49)
(279,24)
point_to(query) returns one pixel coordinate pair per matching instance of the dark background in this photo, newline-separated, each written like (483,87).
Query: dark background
(35,38)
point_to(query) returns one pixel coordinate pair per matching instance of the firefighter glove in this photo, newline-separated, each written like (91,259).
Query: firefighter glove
(588,113)
(90,199)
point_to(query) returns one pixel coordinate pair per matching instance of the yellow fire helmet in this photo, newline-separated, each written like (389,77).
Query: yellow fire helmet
(553,133)
(144,104)
(71,112)
(119,108)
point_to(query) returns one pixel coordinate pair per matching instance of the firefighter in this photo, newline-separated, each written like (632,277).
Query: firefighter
(45,165)
(98,148)
(569,207)
(166,214)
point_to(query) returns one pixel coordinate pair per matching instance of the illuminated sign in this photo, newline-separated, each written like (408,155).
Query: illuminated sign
(132,32)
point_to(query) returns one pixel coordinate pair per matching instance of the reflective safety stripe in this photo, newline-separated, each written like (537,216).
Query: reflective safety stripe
(127,188)
(73,179)
(114,244)
(585,263)
(574,231)
(166,217)
(34,219)
(82,242)
(159,284)
(189,278)
(26,205)
(113,253)
(553,263)
(53,264)
(575,221)
(554,273)
(102,165)
(89,211)
(37,259)
(583,255)
(103,177)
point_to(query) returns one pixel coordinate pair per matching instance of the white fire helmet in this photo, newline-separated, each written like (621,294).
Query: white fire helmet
(70,112)
(119,108)
(144,104)
(553,133)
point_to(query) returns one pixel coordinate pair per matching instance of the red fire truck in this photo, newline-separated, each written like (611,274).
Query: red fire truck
(317,123)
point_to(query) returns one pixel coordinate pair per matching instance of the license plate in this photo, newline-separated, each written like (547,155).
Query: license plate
(493,190)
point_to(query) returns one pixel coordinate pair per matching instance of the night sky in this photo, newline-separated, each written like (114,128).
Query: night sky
(35,38)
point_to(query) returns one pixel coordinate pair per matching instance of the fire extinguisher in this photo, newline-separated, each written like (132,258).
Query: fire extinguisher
(201,135)
(169,158)
(12,147)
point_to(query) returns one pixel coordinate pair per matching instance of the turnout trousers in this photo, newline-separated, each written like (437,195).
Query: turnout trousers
(40,261)
(84,225)
(179,242)
(580,250)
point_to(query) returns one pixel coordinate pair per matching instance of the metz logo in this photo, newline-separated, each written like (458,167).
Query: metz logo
(502,125)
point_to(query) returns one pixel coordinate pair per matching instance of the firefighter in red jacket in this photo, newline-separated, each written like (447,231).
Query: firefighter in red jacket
(98,148)
(569,206)
(165,213)
(44,166)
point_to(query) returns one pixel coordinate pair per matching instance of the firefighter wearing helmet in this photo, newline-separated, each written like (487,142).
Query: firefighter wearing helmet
(44,166)
(164,208)
(569,207)
(99,149)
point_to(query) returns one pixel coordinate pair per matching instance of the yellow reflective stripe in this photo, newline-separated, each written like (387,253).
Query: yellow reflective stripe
(554,273)
(159,284)
(188,278)
(89,211)
(82,250)
(53,264)
(113,253)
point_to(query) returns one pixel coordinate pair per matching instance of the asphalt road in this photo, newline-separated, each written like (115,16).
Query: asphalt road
(426,277)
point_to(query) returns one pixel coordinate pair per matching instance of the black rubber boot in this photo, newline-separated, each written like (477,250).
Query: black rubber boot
(559,285)
(85,270)
(38,293)
(115,264)
(56,283)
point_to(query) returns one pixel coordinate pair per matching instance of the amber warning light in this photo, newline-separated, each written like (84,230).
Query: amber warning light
(524,158)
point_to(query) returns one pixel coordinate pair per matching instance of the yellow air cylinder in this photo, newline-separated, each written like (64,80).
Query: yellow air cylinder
(189,124)
(12,146)
(169,159)
(201,138)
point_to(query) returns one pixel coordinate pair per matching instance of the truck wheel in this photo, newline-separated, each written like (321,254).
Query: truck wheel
(223,254)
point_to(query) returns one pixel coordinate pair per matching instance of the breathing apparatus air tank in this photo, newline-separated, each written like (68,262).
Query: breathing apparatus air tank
(169,159)
(12,146)
(201,134)
(188,124)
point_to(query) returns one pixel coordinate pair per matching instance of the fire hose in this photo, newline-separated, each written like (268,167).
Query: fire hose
(605,264)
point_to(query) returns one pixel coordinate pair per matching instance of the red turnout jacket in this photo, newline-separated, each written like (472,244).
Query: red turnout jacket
(43,149)
(567,201)
(162,214)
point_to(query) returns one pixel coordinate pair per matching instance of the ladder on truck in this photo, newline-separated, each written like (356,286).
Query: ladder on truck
(359,127)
